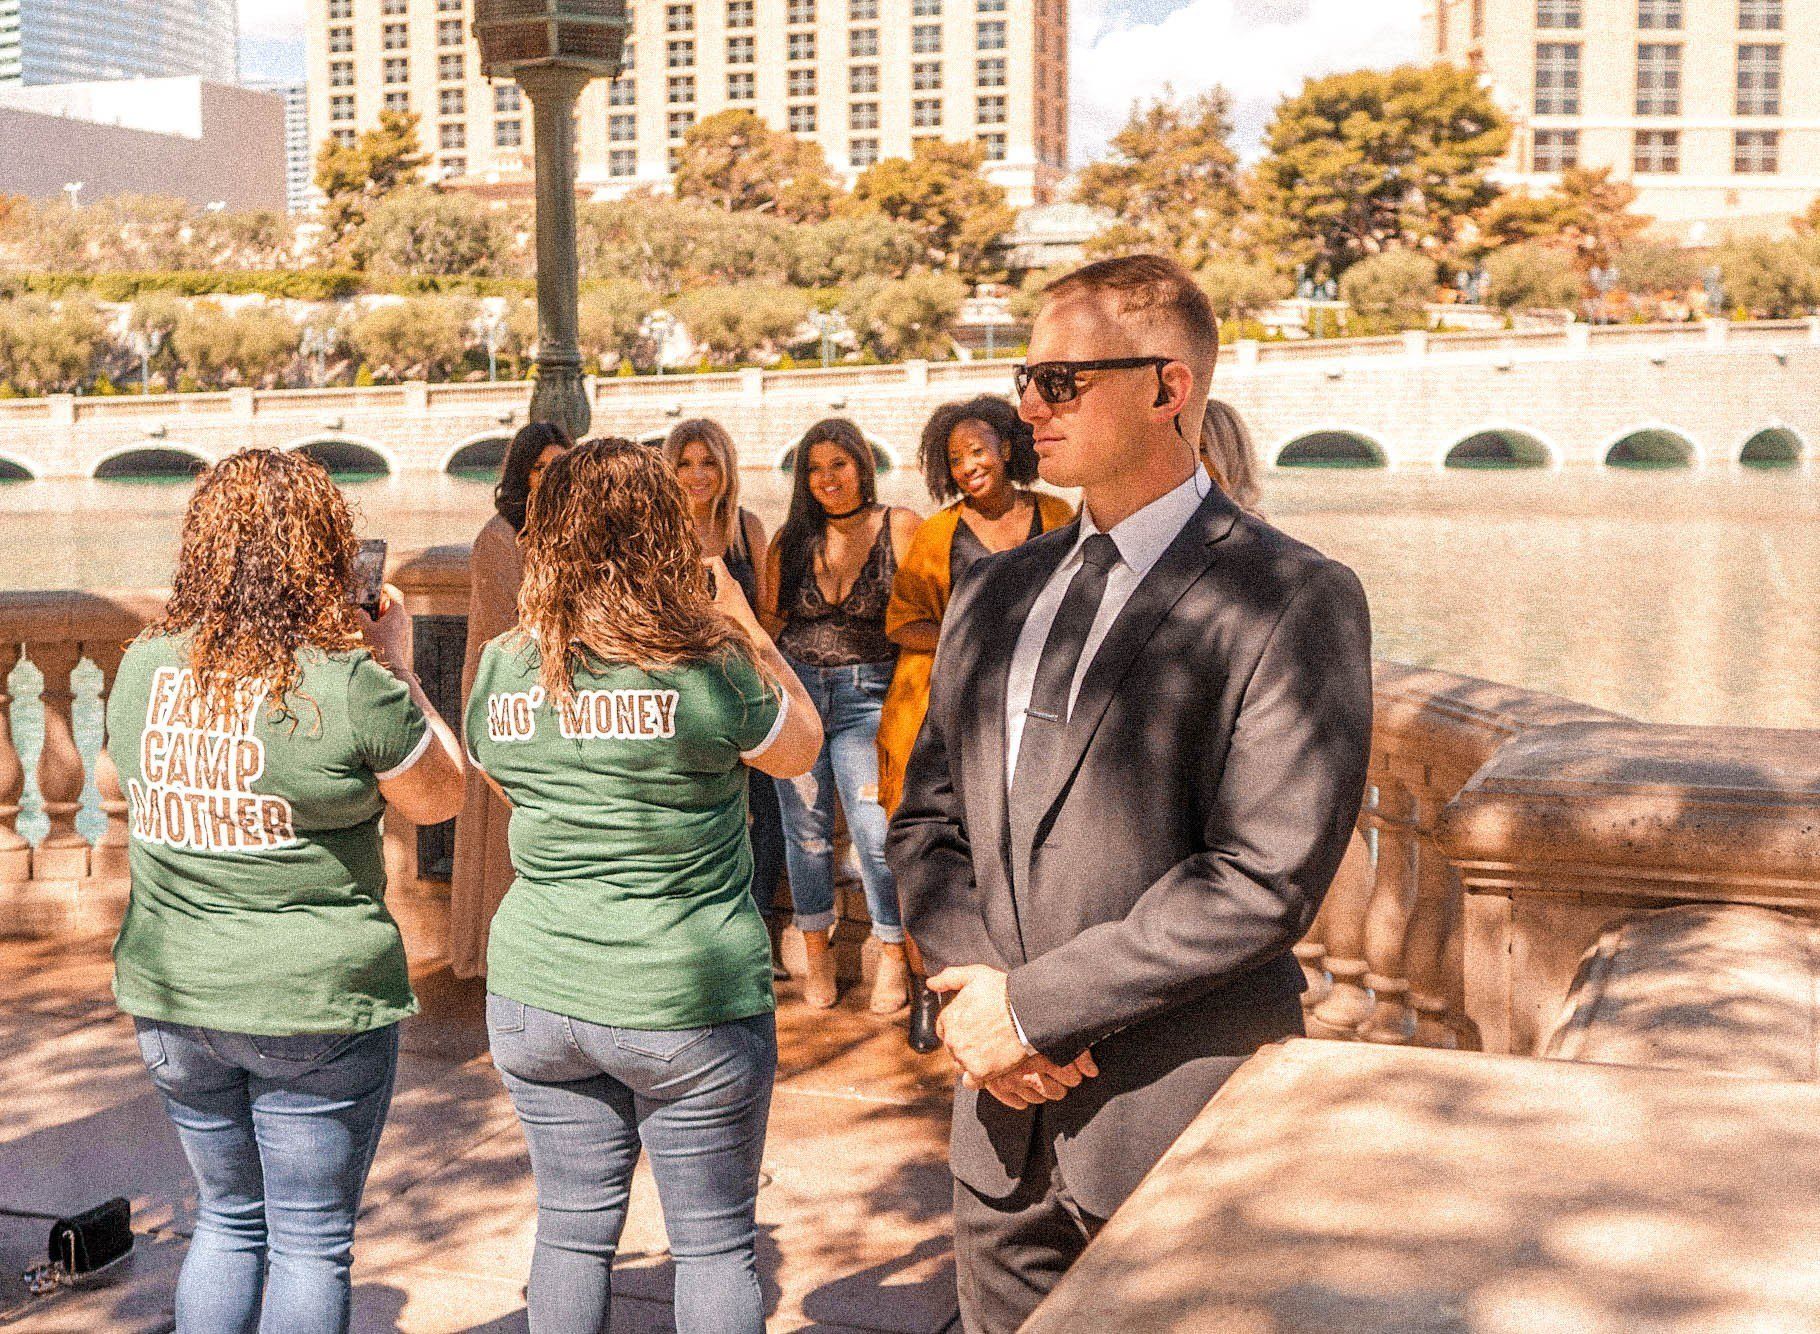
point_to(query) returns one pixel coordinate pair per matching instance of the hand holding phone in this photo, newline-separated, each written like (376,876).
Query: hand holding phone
(369,575)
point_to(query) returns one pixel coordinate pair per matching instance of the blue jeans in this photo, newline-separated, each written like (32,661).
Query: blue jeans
(849,700)
(280,1132)
(587,1096)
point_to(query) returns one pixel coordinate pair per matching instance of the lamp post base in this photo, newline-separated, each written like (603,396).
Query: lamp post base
(561,397)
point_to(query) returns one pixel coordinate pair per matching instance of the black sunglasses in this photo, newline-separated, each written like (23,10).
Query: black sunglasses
(1056,383)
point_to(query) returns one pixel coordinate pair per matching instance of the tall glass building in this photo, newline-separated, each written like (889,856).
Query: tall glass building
(74,41)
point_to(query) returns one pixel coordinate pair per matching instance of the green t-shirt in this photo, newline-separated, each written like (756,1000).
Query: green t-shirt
(258,899)
(632,905)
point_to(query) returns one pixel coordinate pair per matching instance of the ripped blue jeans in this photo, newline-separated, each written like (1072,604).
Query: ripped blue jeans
(849,700)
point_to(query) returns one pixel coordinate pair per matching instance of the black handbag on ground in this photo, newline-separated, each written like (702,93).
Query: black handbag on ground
(83,1244)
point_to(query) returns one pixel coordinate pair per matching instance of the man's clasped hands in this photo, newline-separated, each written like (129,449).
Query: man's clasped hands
(977,1028)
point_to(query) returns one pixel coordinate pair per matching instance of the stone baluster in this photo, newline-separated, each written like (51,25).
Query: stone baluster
(108,860)
(15,852)
(1311,952)
(64,854)
(1393,899)
(1347,1003)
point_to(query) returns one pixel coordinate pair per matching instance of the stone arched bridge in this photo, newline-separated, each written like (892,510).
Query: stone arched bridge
(1694,395)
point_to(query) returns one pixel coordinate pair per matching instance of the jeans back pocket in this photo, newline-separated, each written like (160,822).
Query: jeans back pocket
(658,1044)
(301,1048)
(504,1016)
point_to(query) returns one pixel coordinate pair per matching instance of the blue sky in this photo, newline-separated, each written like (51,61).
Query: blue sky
(1123,51)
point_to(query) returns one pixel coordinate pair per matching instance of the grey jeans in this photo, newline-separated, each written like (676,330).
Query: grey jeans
(588,1096)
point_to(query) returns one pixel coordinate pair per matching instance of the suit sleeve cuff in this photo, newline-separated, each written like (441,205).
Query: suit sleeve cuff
(1018,1024)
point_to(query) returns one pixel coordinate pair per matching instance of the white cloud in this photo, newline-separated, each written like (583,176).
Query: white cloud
(1258,50)
(271,20)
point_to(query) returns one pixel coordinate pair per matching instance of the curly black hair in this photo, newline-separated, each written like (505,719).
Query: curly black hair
(996,414)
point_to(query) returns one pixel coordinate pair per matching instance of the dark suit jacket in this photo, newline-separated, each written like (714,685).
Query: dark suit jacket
(1211,774)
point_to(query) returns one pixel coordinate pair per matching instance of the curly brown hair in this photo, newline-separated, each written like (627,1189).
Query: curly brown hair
(613,569)
(264,569)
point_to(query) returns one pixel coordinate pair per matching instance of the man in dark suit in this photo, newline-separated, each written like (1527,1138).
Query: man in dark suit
(1144,752)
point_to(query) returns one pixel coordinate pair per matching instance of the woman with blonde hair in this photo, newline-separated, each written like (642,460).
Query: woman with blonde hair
(629,993)
(1228,455)
(260,728)
(707,468)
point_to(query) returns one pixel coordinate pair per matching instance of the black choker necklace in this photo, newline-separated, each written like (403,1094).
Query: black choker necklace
(860,508)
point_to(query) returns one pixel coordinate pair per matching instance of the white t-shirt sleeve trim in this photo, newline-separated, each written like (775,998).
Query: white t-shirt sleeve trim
(777,726)
(417,753)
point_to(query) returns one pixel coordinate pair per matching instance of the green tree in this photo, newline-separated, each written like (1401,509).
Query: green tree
(905,317)
(611,313)
(1392,287)
(941,193)
(50,347)
(1648,270)
(1772,279)
(735,162)
(1239,288)
(1358,163)
(1533,277)
(422,231)
(738,323)
(1172,180)
(423,337)
(847,248)
(353,176)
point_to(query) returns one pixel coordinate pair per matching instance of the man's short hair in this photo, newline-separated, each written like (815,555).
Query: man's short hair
(1140,284)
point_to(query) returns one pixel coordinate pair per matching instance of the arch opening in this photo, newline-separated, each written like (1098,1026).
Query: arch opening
(14,472)
(346,458)
(151,465)
(1499,448)
(1332,449)
(1773,447)
(479,459)
(882,458)
(1651,447)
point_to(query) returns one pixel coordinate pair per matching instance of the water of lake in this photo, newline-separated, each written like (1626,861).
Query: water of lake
(1671,596)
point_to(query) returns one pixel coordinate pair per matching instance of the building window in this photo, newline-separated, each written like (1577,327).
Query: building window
(341,74)
(448,32)
(800,11)
(508,99)
(1658,79)
(926,38)
(862,11)
(802,119)
(622,129)
(452,135)
(926,76)
(1756,152)
(862,116)
(1557,150)
(680,123)
(341,41)
(1657,152)
(799,46)
(621,92)
(451,67)
(926,9)
(343,137)
(341,11)
(625,59)
(926,113)
(395,37)
(739,14)
(862,153)
(509,134)
(622,162)
(1557,13)
(397,70)
(452,102)
(742,86)
(862,79)
(1759,80)
(990,110)
(990,72)
(679,55)
(1757,15)
(393,8)
(680,88)
(802,83)
(341,106)
(1557,78)
(448,6)
(1663,14)
(995,147)
(679,18)
(992,35)
(400,102)
(862,42)
(990,6)
(741,50)
(453,166)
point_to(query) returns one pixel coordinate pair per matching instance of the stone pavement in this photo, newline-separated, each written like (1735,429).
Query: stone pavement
(853,1216)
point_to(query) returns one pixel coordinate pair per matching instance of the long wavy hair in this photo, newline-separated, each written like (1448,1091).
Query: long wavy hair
(514,489)
(264,571)
(996,415)
(613,570)
(714,436)
(1227,451)
(805,532)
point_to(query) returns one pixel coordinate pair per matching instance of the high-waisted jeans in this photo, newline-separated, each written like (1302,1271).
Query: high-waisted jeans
(588,1096)
(849,700)
(280,1132)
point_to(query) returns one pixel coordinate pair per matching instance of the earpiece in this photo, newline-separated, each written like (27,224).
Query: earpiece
(1162,395)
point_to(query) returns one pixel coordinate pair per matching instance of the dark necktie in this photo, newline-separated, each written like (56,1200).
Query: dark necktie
(1046,718)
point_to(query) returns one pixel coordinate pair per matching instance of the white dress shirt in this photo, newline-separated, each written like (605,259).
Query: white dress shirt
(1141,539)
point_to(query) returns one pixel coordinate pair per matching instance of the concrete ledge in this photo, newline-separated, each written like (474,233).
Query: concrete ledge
(1345,1186)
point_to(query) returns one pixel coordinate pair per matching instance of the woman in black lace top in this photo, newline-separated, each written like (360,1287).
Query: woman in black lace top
(828,581)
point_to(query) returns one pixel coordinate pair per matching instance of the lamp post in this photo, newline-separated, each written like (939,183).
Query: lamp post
(554,49)
(318,342)
(491,330)
(829,324)
(74,190)
(146,343)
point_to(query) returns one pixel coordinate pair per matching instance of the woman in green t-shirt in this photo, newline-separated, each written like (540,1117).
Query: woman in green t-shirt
(628,970)
(260,728)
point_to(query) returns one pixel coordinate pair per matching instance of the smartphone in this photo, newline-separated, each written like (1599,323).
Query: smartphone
(369,575)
